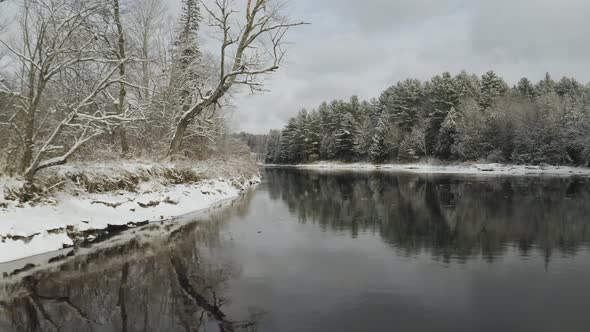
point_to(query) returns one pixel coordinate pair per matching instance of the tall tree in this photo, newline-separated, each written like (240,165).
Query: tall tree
(63,77)
(546,85)
(447,134)
(443,94)
(262,26)
(568,87)
(525,88)
(492,86)
(121,55)
(404,103)
(469,85)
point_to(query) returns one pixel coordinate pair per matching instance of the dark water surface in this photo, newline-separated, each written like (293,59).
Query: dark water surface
(311,251)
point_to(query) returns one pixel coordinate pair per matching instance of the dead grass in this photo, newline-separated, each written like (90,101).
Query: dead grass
(101,178)
(28,192)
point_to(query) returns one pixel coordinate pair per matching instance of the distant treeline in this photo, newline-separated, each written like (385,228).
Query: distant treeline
(454,118)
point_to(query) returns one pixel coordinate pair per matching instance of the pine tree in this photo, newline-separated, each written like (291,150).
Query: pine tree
(290,143)
(469,85)
(403,102)
(345,137)
(378,151)
(187,55)
(308,136)
(545,86)
(186,44)
(367,127)
(443,94)
(492,86)
(447,134)
(568,87)
(525,88)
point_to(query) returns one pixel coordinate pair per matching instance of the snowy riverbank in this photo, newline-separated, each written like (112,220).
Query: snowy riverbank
(475,169)
(70,215)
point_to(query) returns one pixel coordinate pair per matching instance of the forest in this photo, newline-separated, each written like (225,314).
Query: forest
(111,80)
(449,118)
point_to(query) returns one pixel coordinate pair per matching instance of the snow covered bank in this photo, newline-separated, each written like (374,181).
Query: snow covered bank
(69,215)
(475,169)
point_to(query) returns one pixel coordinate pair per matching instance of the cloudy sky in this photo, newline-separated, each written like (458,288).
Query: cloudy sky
(361,47)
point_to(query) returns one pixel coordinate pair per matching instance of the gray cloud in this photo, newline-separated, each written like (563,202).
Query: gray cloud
(361,47)
(525,30)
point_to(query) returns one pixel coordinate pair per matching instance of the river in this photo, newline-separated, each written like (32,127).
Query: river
(331,251)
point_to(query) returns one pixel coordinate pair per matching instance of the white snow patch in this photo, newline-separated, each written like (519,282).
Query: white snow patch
(11,250)
(88,211)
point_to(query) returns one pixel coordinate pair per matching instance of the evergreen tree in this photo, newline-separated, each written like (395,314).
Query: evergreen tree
(403,103)
(469,85)
(366,130)
(568,87)
(187,71)
(545,123)
(446,137)
(545,86)
(525,88)
(443,93)
(290,143)
(492,86)
(378,151)
(311,133)
(186,47)
(346,138)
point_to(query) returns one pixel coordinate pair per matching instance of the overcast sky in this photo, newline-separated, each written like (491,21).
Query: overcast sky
(362,46)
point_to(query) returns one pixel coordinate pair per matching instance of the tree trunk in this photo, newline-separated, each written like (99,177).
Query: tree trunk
(176,144)
(28,141)
(185,99)
(122,90)
(30,115)
(145,65)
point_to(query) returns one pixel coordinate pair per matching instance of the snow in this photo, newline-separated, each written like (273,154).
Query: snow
(11,250)
(474,169)
(44,225)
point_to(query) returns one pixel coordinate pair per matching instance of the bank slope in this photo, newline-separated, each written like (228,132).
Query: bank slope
(149,193)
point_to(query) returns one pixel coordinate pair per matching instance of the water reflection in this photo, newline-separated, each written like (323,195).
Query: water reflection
(371,251)
(157,278)
(451,217)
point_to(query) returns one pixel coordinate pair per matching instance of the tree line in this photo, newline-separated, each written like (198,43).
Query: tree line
(111,79)
(449,118)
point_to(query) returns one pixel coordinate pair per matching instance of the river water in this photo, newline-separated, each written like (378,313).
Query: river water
(332,251)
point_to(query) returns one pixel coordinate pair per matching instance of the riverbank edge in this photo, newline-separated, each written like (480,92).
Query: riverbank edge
(495,169)
(70,217)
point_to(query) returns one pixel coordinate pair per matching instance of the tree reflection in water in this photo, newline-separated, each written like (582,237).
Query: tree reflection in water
(170,276)
(159,280)
(451,217)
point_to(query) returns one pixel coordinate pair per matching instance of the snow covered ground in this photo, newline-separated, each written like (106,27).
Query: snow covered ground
(31,229)
(476,169)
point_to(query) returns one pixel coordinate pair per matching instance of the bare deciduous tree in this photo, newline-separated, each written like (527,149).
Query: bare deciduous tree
(248,50)
(121,55)
(59,83)
(147,19)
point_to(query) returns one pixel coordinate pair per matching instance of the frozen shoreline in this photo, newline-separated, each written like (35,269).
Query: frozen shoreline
(469,169)
(27,230)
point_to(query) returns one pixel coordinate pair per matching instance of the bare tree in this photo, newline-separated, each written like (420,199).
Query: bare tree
(121,55)
(255,49)
(147,19)
(60,83)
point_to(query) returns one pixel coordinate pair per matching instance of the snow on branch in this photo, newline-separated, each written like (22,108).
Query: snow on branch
(255,50)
